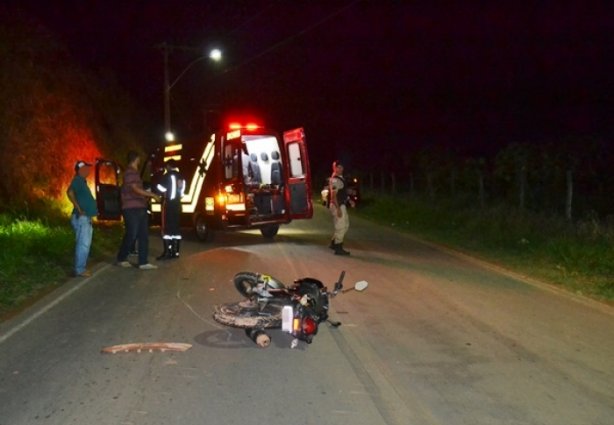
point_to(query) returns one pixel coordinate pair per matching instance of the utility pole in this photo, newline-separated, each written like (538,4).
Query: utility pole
(215,55)
(167,95)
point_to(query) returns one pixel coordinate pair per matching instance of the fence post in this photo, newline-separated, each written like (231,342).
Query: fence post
(569,197)
(429,184)
(522,183)
(481,188)
(453,181)
(393,183)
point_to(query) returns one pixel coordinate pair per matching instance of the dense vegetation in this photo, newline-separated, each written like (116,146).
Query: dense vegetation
(37,254)
(52,113)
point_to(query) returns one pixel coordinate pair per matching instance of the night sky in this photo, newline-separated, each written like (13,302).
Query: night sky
(367,79)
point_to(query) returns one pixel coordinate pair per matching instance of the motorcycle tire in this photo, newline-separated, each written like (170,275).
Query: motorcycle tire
(238,316)
(245,282)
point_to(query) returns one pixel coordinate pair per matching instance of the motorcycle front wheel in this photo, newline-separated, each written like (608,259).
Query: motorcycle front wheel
(245,282)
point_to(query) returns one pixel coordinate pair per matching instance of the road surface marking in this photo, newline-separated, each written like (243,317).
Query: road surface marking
(49,306)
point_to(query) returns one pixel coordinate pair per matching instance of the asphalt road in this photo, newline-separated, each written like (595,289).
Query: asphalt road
(434,340)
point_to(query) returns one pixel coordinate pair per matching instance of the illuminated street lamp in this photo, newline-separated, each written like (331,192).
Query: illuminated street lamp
(169,136)
(214,55)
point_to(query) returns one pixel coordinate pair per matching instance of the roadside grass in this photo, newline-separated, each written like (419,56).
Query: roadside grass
(578,257)
(37,255)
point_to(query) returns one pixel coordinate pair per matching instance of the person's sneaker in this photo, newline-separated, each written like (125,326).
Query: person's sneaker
(148,266)
(85,273)
(123,264)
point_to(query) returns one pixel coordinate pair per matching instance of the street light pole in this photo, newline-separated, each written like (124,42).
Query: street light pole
(168,134)
(215,55)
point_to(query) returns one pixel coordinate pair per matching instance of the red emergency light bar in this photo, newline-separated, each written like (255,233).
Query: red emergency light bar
(237,126)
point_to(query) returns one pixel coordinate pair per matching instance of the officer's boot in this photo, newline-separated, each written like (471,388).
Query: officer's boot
(171,249)
(339,250)
(177,248)
(164,255)
(332,244)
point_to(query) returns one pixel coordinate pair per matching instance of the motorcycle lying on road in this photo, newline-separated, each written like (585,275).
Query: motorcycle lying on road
(297,309)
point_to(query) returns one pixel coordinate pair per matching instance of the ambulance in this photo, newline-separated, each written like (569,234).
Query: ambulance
(244,177)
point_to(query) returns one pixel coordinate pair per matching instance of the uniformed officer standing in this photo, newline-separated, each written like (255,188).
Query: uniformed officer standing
(338,200)
(171,187)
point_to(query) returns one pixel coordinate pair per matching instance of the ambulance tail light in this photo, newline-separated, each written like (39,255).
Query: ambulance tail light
(221,199)
(230,201)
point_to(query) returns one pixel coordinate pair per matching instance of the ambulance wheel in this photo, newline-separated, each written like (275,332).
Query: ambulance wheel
(269,231)
(203,231)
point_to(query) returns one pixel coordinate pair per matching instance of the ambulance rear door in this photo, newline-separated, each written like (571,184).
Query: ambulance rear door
(298,175)
(108,195)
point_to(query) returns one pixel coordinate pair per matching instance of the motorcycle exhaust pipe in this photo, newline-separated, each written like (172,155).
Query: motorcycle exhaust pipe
(260,337)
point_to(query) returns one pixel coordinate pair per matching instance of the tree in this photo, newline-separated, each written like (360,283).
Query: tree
(52,114)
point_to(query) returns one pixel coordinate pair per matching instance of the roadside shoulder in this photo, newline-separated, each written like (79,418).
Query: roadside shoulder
(603,306)
(14,324)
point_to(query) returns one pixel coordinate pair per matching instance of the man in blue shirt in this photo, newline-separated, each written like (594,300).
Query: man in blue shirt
(81,219)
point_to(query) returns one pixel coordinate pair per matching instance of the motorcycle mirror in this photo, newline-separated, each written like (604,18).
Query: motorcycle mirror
(361,286)
(339,284)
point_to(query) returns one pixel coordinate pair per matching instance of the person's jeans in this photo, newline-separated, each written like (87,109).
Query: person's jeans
(82,225)
(136,222)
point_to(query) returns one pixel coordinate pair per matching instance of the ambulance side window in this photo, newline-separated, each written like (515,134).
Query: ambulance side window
(231,162)
(296,162)
(228,162)
(146,173)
